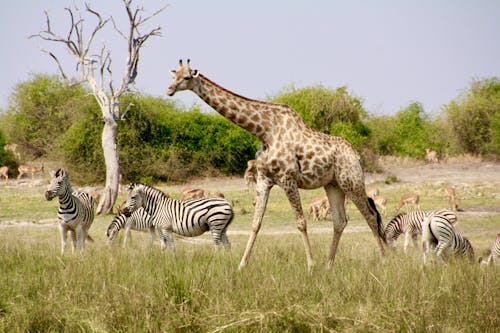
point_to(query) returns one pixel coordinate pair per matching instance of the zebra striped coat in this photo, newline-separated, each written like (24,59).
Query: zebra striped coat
(186,218)
(140,220)
(75,213)
(494,256)
(410,224)
(439,236)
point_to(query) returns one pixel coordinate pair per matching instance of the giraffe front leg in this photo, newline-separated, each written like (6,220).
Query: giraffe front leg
(292,192)
(262,189)
(336,198)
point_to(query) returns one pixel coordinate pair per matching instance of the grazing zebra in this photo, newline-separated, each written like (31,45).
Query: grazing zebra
(140,220)
(494,256)
(76,210)
(410,224)
(439,235)
(187,218)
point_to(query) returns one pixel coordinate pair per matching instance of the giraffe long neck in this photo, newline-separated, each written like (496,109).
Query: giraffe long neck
(256,117)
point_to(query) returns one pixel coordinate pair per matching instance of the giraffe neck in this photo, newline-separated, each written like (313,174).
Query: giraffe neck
(256,117)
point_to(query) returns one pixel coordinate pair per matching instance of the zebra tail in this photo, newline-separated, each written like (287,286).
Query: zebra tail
(380,225)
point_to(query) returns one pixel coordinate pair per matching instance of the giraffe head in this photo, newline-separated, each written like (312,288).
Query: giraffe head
(183,78)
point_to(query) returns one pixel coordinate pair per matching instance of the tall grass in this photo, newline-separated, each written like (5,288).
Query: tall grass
(140,289)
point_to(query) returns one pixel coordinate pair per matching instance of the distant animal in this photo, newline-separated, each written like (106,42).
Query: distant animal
(186,218)
(431,156)
(494,256)
(319,208)
(381,202)
(440,237)
(140,220)
(407,200)
(192,193)
(25,169)
(410,224)
(75,213)
(451,195)
(250,175)
(4,172)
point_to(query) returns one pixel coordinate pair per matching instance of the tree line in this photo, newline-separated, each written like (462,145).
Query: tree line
(161,140)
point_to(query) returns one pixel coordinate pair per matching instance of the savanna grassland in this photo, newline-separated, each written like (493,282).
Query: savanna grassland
(140,289)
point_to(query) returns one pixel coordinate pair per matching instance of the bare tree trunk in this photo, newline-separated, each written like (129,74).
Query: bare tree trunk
(111,159)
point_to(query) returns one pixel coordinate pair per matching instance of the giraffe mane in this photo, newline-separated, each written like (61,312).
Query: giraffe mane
(239,96)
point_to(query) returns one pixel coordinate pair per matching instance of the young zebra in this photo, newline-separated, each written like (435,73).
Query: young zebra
(140,220)
(187,218)
(494,256)
(76,210)
(439,235)
(410,224)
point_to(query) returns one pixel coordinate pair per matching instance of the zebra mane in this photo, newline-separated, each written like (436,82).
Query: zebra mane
(148,190)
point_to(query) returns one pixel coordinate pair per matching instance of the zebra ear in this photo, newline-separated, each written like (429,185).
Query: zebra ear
(52,173)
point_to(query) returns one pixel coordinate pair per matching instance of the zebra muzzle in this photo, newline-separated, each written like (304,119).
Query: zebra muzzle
(49,195)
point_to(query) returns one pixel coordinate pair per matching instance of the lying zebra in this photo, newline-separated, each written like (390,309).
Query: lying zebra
(410,224)
(140,220)
(494,256)
(75,213)
(186,218)
(440,237)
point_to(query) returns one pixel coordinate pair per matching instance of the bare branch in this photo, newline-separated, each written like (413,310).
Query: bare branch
(57,62)
(116,28)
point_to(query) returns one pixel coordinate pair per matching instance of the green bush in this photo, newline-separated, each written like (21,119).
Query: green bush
(475,118)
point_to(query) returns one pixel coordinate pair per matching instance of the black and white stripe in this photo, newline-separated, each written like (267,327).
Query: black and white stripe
(76,210)
(494,256)
(140,220)
(410,224)
(186,218)
(440,237)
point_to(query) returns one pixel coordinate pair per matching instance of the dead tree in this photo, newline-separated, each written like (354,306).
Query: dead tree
(94,68)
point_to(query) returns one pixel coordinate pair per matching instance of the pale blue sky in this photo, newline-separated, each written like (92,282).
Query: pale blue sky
(390,53)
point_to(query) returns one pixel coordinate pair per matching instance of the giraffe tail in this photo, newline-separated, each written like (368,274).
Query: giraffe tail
(380,225)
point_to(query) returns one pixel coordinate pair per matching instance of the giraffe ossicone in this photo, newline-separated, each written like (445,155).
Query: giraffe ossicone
(293,156)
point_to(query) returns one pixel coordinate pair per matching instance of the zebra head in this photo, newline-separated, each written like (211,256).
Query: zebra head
(58,184)
(134,199)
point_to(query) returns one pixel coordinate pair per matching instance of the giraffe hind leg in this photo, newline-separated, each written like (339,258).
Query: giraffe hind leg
(336,199)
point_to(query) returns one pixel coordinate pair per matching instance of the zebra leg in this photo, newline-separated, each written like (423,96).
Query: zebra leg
(440,248)
(81,235)
(407,240)
(167,237)
(63,232)
(127,235)
(152,231)
(414,238)
(225,241)
(262,190)
(74,241)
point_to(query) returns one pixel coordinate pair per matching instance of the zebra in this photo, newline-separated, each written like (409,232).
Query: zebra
(439,235)
(494,256)
(410,224)
(75,213)
(140,220)
(186,218)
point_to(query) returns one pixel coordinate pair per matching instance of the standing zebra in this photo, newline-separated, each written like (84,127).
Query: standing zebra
(410,224)
(187,218)
(76,210)
(439,235)
(494,256)
(140,220)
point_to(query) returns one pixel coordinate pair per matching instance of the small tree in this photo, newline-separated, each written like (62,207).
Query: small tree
(94,68)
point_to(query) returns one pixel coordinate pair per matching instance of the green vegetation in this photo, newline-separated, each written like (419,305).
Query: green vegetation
(160,140)
(140,289)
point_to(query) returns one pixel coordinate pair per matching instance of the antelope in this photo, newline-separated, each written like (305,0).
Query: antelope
(451,195)
(25,169)
(407,200)
(4,172)
(430,156)
(250,175)
(319,208)
(381,202)
(192,193)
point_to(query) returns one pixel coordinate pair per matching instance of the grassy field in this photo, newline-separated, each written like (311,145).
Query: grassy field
(140,289)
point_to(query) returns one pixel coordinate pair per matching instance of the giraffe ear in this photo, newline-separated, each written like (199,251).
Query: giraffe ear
(195,73)
(172,72)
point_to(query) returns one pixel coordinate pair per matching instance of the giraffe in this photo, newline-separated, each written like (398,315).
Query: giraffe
(292,156)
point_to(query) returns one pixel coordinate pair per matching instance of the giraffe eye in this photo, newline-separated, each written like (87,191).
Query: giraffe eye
(187,78)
